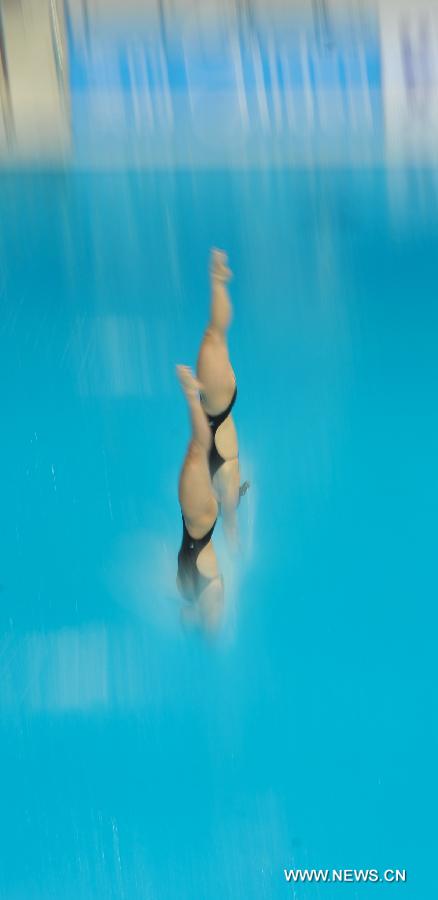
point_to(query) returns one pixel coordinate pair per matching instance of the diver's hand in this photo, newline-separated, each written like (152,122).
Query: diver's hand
(243,489)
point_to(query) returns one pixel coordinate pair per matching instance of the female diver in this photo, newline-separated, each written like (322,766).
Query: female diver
(218,396)
(198,578)
(210,475)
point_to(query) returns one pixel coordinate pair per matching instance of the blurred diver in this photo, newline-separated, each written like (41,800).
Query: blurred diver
(198,579)
(218,396)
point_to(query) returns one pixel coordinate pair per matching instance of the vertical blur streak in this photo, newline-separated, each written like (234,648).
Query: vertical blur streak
(99,84)
(5,94)
(37,81)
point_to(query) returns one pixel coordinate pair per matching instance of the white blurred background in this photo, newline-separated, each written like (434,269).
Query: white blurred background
(233,82)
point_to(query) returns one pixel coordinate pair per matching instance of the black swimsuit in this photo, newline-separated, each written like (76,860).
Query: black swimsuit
(215,460)
(191,579)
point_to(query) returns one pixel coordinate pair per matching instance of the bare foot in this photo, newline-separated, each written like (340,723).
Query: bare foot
(219,269)
(190,385)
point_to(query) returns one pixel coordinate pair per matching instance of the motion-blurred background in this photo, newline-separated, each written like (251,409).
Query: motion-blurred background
(177,83)
(139,762)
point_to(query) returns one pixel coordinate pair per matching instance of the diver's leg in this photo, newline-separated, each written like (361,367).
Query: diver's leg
(227,485)
(197,499)
(207,612)
(211,606)
(221,309)
(213,366)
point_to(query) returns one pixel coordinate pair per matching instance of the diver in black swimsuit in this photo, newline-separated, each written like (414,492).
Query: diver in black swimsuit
(219,392)
(198,577)
(210,477)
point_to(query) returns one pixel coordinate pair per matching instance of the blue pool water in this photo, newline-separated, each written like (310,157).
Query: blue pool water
(140,762)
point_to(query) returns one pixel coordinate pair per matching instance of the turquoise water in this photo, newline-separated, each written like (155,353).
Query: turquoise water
(141,762)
